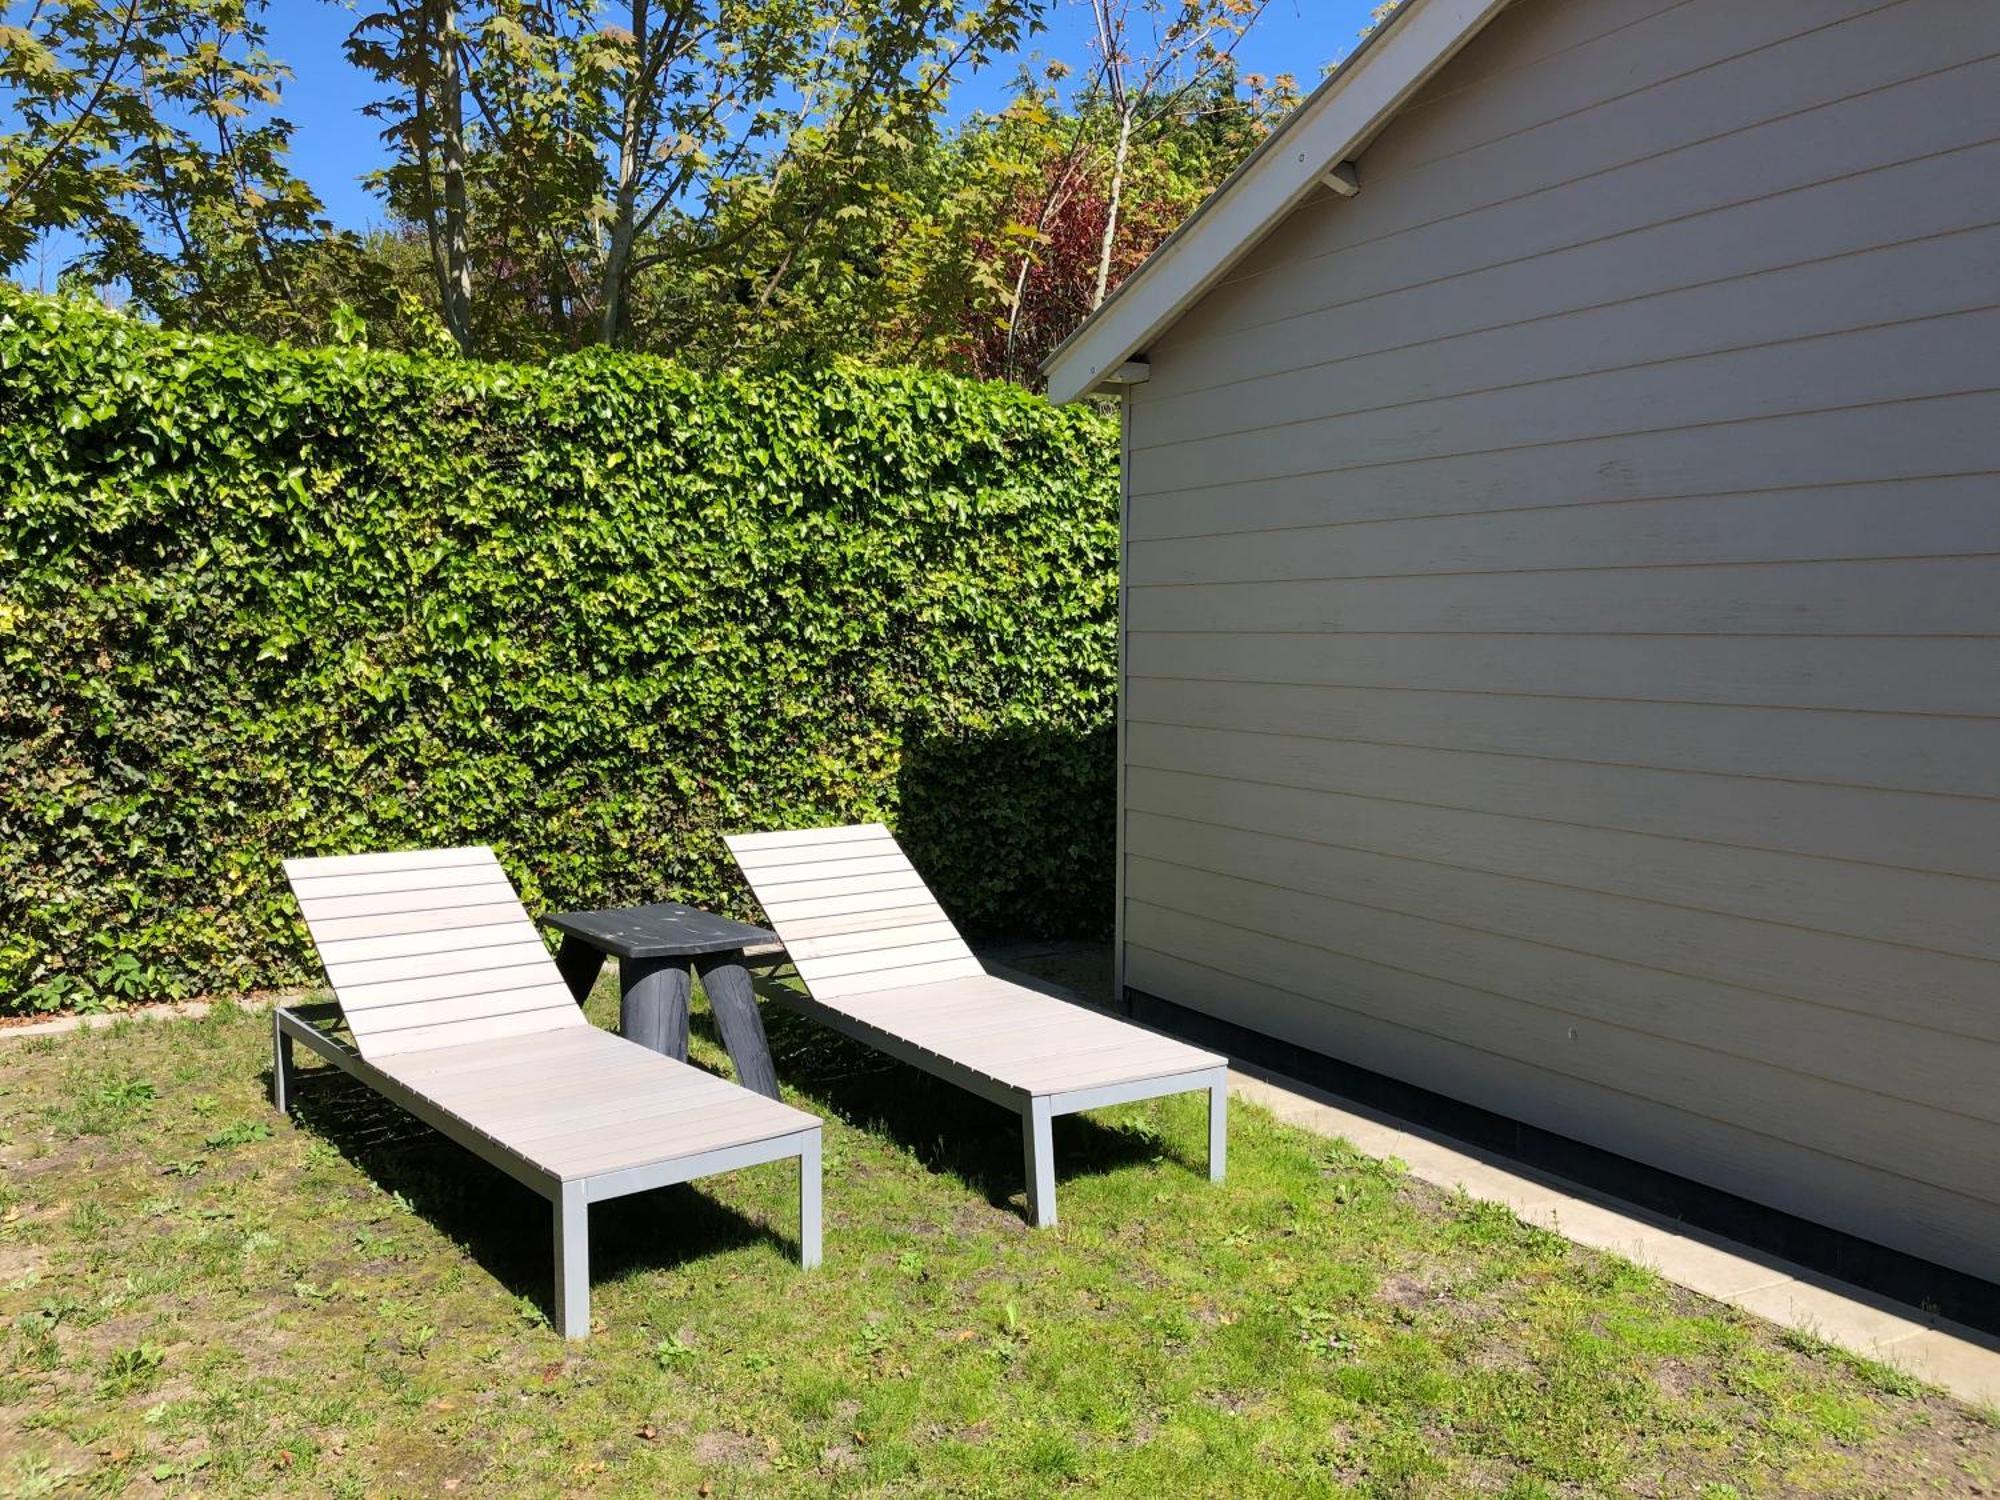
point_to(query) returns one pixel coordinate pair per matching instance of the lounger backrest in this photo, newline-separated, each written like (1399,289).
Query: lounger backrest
(429,948)
(853,913)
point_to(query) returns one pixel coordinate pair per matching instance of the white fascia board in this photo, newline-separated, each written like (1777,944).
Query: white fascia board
(1343,114)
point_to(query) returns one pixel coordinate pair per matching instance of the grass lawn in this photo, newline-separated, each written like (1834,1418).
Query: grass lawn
(196,1296)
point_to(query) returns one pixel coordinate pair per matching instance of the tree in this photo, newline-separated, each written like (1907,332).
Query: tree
(147,128)
(1191,44)
(725,148)
(71,74)
(418,46)
(1077,220)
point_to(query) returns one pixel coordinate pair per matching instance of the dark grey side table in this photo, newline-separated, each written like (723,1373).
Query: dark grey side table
(655,947)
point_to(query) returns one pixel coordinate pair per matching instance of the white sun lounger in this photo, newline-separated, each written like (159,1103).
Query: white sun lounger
(459,1016)
(881,962)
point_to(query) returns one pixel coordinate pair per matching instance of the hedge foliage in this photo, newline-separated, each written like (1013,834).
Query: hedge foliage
(257,601)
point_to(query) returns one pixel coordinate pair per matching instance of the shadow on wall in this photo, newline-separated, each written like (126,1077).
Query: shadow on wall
(1015,827)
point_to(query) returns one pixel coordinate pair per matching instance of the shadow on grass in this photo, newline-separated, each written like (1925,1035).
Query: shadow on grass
(947,1129)
(506,1227)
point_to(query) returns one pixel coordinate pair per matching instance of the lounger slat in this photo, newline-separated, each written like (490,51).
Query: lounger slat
(880,938)
(510,1087)
(470,966)
(386,1020)
(314,867)
(829,859)
(419,962)
(434,1071)
(872,960)
(895,964)
(603,1152)
(1051,1045)
(790,838)
(861,839)
(702,1113)
(484,891)
(438,942)
(884,919)
(373,996)
(534,1107)
(312,889)
(862,984)
(784,877)
(583,1102)
(481,1029)
(389,924)
(862,904)
(904,883)
(892,895)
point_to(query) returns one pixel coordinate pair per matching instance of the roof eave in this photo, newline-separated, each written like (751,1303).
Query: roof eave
(1332,125)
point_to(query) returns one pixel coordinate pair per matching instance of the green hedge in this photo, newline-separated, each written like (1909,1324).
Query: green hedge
(258,601)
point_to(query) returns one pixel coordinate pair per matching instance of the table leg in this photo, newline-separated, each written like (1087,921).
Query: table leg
(653,1004)
(735,1006)
(578,964)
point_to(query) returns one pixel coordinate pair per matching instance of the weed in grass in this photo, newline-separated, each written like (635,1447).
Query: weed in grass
(173,1469)
(35,1477)
(104,1107)
(130,1370)
(368,1243)
(35,1346)
(675,1353)
(242,1133)
(320,1155)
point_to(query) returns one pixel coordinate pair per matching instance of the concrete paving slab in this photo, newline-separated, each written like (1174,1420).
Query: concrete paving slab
(1827,1312)
(1965,1366)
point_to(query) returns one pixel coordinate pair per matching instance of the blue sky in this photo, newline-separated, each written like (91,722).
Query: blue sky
(335,145)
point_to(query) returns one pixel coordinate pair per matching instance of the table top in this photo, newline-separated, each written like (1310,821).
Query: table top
(665,929)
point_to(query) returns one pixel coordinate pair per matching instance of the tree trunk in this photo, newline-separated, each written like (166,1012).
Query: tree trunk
(617,287)
(456,290)
(1116,196)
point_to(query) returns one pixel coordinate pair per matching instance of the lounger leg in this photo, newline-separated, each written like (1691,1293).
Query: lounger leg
(281,1066)
(572,1214)
(809,1202)
(1218,1127)
(1038,1128)
(653,1004)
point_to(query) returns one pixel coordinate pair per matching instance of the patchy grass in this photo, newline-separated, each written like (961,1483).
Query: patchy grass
(197,1297)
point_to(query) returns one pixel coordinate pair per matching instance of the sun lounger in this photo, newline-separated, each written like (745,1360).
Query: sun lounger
(459,1015)
(881,962)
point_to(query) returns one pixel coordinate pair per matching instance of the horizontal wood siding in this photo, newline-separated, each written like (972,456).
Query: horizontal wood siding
(1563,639)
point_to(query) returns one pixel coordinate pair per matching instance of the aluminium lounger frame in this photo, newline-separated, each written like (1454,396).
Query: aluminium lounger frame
(455,1012)
(1037,1111)
(571,1199)
(839,887)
